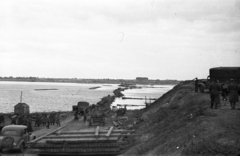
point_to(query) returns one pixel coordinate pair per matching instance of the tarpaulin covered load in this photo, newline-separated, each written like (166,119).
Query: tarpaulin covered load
(225,74)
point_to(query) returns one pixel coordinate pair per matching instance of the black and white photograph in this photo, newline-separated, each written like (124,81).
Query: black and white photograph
(120,77)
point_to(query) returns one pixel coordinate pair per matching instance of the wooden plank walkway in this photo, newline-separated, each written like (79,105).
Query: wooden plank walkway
(82,142)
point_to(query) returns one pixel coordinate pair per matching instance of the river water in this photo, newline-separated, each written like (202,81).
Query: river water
(43,96)
(146,93)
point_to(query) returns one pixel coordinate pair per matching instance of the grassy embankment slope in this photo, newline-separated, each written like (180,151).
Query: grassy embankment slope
(182,123)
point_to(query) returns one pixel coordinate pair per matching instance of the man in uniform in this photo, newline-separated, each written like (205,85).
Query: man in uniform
(196,84)
(58,119)
(233,93)
(214,93)
(48,121)
(224,88)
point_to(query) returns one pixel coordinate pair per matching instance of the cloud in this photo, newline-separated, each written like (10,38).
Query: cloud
(160,36)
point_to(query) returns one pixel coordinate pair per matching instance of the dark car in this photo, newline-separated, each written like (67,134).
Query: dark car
(15,137)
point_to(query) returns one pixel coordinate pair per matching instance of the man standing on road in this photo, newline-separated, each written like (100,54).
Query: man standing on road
(48,121)
(58,120)
(224,88)
(85,117)
(214,93)
(233,93)
(196,84)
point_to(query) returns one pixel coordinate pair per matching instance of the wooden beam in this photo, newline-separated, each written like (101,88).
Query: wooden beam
(41,137)
(55,144)
(130,105)
(66,137)
(36,151)
(97,131)
(83,140)
(93,131)
(109,132)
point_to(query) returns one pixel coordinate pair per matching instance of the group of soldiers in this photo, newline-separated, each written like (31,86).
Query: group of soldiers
(39,119)
(82,113)
(22,120)
(227,89)
(91,114)
(230,90)
(47,120)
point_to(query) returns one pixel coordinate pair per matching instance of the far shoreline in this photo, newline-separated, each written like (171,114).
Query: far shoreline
(91,81)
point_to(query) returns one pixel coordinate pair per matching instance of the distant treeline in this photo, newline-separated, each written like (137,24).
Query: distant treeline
(78,80)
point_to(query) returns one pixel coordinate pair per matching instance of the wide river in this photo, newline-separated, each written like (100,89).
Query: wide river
(43,96)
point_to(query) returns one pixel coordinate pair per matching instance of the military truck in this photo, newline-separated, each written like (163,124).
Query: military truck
(222,74)
(82,106)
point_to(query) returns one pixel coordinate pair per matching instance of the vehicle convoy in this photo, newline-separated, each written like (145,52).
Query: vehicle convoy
(222,74)
(15,137)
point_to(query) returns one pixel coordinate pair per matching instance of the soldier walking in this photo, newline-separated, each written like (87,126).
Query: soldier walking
(224,91)
(44,120)
(233,93)
(29,125)
(37,121)
(214,94)
(58,120)
(85,117)
(196,84)
(76,116)
(48,121)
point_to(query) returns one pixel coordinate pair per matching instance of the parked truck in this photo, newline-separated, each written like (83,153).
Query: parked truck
(222,74)
(82,106)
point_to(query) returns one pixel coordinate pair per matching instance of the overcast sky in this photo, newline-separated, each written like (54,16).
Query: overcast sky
(158,39)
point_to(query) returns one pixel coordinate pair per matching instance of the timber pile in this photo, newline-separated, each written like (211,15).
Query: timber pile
(85,142)
(97,120)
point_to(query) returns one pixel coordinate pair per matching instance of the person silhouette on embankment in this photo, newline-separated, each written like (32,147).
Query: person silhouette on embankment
(233,93)
(196,84)
(215,90)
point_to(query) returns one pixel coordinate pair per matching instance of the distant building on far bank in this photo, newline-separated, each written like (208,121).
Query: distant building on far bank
(142,79)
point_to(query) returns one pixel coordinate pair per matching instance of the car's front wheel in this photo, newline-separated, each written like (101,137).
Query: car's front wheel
(22,146)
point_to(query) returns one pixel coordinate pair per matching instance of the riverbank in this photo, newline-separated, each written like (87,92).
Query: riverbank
(181,123)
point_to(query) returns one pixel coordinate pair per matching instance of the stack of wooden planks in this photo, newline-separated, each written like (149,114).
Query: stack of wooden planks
(97,120)
(85,142)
